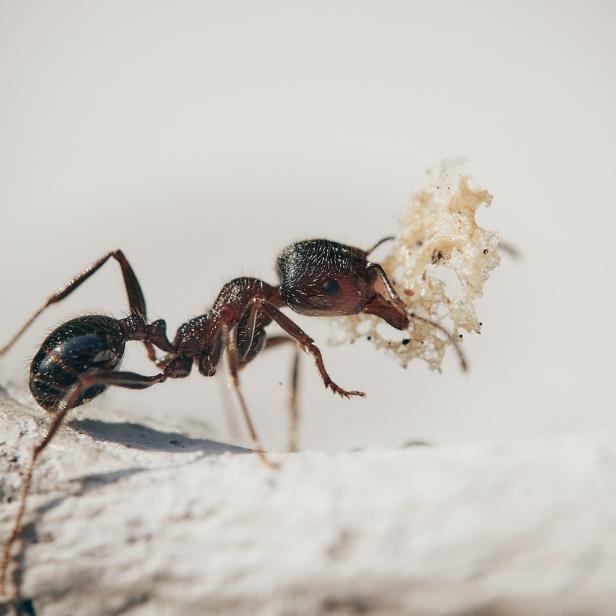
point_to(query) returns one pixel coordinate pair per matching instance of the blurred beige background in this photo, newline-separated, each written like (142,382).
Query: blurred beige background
(203,137)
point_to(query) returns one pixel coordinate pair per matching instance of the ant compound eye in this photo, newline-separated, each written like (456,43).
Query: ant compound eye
(331,288)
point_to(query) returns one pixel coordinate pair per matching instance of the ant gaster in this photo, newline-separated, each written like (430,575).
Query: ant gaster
(78,360)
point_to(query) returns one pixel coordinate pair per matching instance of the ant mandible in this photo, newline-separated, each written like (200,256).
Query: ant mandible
(78,360)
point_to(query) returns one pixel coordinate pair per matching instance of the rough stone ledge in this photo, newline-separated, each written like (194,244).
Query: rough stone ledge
(128,519)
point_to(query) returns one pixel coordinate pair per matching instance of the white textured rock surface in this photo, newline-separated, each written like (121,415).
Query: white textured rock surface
(133,520)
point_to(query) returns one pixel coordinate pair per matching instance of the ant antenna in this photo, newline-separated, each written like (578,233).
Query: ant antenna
(450,337)
(382,241)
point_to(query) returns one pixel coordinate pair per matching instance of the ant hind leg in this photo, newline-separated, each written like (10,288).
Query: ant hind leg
(90,379)
(136,300)
(233,365)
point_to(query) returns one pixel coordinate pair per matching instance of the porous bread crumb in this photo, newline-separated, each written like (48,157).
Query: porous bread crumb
(438,232)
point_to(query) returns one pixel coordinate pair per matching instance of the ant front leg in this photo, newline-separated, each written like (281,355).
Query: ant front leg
(90,379)
(306,343)
(136,300)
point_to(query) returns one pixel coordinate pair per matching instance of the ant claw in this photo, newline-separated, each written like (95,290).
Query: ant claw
(360,394)
(344,393)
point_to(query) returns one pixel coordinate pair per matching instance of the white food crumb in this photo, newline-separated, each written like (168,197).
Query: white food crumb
(438,232)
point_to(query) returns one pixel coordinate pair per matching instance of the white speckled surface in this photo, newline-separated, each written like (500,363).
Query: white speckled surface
(128,522)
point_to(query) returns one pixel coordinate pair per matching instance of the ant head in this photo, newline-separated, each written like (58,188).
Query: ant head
(320,277)
(325,278)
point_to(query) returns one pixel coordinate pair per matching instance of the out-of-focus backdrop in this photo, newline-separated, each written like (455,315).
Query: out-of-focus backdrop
(203,137)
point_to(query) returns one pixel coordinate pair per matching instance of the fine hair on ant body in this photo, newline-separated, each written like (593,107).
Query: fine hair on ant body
(78,360)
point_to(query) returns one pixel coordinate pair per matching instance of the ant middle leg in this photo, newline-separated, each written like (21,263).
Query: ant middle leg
(86,381)
(136,300)
(233,365)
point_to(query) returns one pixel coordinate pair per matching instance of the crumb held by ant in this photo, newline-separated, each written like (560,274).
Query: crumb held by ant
(438,230)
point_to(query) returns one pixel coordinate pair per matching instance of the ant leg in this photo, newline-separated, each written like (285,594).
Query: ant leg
(292,405)
(136,301)
(294,416)
(452,340)
(130,380)
(306,343)
(229,409)
(233,367)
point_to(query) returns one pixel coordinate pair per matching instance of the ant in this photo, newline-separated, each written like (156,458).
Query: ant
(78,360)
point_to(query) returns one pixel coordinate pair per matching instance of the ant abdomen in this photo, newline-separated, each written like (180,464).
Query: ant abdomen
(70,351)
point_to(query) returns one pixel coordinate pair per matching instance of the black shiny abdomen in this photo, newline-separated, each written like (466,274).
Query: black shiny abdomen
(71,350)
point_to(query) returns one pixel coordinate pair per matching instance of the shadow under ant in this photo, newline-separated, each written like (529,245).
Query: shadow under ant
(138,436)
